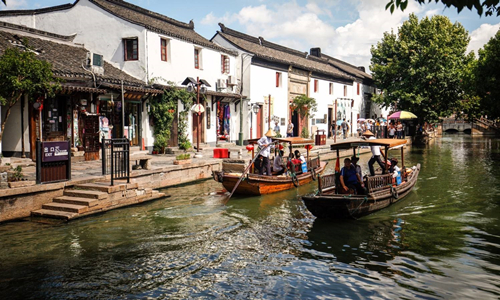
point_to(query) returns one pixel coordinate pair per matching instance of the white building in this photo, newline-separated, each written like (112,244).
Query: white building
(280,73)
(151,47)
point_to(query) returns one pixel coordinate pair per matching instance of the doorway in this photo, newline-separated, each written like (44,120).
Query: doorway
(132,122)
(259,122)
(196,128)
(296,123)
(330,121)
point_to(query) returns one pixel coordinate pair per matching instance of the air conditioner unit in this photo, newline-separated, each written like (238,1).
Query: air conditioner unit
(231,80)
(221,83)
(95,62)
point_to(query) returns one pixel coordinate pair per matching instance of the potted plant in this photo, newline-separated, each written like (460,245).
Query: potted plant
(79,144)
(17,178)
(182,159)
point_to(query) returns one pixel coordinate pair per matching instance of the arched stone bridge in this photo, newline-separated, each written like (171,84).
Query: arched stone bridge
(456,126)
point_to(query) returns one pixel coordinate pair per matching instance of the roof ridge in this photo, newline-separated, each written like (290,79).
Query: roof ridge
(38,32)
(260,40)
(20,12)
(239,34)
(342,62)
(150,13)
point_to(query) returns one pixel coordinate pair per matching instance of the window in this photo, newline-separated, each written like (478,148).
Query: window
(97,60)
(224,64)
(278,79)
(316,85)
(131,49)
(196,58)
(331,88)
(358,88)
(345,90)
(164,53)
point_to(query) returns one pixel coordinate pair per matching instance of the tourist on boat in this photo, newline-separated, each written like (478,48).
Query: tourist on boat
(289,129)
(299,156)
(265,143)
(257,164)
(349,178)
(278,166)
(376,152)
(393,167)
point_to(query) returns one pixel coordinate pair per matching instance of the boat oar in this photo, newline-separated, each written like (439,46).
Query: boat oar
(246,171)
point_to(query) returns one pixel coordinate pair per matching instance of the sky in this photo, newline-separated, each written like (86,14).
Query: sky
(343,29)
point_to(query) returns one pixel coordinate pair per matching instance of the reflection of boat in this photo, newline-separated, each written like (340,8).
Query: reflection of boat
(382,191)
(254,184)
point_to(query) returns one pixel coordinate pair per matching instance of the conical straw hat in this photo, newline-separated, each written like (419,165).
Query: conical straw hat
(270,133)
(368,133)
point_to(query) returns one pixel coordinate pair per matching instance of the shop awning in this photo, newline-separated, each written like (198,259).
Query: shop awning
(129,88)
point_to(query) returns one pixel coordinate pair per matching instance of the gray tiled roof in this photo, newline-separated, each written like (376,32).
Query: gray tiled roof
(66,58)
(157,23)
(277,53)
(346,67)
(137,15)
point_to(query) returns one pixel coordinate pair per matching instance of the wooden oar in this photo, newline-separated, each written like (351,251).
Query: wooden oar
(246,171)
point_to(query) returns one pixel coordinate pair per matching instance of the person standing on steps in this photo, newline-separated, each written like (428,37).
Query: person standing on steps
(265,143)
(289,129)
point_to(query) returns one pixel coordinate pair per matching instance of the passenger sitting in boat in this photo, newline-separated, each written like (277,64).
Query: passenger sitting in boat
(393,165)
(299,156)
(359,174)
(293,159)
(278,166)
(349,179)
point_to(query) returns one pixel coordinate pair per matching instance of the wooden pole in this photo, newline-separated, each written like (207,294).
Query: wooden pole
(269,113)
(23,153)
(198,114)
(385,157)
(335,126)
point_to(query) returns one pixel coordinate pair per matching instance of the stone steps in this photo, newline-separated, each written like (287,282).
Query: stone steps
(77,201)
(54,214)
(74,208)
(86,194)
(91,198)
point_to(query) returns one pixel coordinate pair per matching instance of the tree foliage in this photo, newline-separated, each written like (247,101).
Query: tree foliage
(304,105)
(487,77)
(22,73)
(164,109)
(489,7)
(420,69)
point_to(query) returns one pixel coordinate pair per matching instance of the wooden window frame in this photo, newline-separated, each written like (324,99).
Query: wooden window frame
(224,64)
(330,91)
(196,58)
(345,90)
(163,49)
(316,85)
(126,57)
(278,79)
(358,88)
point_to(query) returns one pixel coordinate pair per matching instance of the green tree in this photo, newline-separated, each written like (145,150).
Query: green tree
(489,7)
(420,69)
(164,109)
(21,73)
(488,77)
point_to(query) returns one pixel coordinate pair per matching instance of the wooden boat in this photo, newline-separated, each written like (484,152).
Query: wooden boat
(254,184)
(382,191)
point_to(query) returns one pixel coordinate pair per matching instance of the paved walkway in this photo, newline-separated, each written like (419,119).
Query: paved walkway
(87,169)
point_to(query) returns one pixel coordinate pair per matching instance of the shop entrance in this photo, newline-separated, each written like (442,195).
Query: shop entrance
(132,121)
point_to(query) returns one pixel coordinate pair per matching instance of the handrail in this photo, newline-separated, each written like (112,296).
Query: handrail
(379,182)
(326,181)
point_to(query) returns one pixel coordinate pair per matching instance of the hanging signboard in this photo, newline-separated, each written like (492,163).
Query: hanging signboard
(198,108)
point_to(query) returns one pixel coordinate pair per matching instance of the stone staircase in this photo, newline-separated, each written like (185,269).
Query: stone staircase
(92,198)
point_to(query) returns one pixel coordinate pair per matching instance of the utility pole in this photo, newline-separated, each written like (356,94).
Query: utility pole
(335,124)
(198,103)
(269,113)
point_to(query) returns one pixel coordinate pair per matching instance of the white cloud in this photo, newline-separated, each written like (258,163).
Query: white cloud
(311,25)
(481,36)
(13,4)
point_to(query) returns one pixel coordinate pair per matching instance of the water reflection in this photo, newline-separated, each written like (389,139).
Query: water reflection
(442,241)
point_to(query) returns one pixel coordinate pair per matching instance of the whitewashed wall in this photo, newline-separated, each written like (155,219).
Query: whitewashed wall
(11,140)
(263,84)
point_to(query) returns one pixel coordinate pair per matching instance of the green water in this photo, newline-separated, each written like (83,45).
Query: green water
(441,242)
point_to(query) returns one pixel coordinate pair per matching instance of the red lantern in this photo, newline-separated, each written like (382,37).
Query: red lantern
(249,147)
(309,147)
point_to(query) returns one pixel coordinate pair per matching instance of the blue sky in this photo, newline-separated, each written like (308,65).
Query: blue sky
(344,29)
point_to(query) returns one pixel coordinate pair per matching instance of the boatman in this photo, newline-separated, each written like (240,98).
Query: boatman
(265,143)
(376,152)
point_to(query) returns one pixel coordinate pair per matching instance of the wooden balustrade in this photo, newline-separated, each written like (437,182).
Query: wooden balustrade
(379,182)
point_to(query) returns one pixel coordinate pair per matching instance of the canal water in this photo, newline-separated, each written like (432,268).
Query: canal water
(441,242)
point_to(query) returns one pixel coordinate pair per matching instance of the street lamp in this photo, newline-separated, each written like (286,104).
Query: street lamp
(201,86)
(255,109)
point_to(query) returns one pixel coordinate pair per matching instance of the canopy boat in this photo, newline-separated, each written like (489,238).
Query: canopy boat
(254,184)
(382,189)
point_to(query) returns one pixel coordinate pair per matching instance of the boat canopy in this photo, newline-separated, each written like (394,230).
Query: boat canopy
(289,140)
(390,143)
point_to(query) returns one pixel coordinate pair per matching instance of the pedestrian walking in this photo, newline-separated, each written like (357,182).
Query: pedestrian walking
(344,127)
(289,129)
